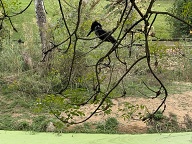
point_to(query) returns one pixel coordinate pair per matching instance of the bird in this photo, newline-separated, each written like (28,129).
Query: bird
(20,41)
(102,34)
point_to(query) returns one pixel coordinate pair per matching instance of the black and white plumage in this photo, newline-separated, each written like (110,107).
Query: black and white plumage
(102,34)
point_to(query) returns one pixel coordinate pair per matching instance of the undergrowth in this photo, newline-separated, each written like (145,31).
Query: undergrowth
(23,79)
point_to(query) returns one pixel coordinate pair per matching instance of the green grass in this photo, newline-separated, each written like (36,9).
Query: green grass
(23,21)
(28,18)
(161,26)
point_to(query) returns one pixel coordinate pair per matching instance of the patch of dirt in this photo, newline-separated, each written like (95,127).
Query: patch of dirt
(178,104)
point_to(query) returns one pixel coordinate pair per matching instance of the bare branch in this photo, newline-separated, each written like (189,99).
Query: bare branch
(5,15)
(107,94)
(171,15)
(22,11)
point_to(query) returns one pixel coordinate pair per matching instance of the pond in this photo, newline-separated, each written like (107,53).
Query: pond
(18,137)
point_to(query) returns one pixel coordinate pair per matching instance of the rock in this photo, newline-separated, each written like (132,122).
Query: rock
(50,127)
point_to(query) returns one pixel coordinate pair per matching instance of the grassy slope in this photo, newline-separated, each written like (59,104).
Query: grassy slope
(28,17)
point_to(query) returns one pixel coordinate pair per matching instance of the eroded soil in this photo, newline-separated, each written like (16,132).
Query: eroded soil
(178,104)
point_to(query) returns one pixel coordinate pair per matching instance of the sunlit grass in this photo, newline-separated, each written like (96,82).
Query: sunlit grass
(162,28)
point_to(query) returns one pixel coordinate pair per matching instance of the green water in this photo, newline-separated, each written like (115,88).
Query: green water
(16,137)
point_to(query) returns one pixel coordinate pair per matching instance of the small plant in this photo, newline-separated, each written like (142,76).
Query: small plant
(162,123)
(59,127)
(188,122)
(158,116)
(6,123)
(23,125)
(110,125)
(39,124)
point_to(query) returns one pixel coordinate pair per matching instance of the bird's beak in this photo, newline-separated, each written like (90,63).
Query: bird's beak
(89,33)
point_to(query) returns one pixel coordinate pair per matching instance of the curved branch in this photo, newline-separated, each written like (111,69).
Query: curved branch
(79,16)
(144,17)
(147,51)
(5,15)
(171,15)
(22,11)
(9,16)
(68,31)
(137,9)
(69,4)
(107,94)
(74,48)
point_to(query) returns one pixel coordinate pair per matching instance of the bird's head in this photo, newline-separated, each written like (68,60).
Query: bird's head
(94,25)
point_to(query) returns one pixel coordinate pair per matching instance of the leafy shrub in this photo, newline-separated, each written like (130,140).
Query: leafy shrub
(39,123)
(163,124)
(23,125)
(110,125)
(158,116)
(6,123)
(182,9)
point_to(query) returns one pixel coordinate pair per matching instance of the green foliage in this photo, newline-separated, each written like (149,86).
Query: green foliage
(162,123)
(10,6)
(157,49)
(6,122)
(161,27)
(11,60)
(109,126)
(56,105)
(130,110)
(186,13)
(23,125)
(59,74)
(181,9)
(158,116)
(84,128)
(39,123)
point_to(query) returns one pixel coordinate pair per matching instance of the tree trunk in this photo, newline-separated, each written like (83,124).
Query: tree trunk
(43,30)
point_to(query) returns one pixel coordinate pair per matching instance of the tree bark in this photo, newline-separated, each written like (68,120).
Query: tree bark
(43,30)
